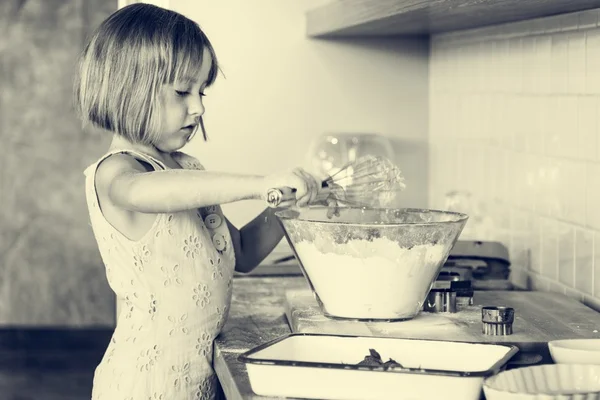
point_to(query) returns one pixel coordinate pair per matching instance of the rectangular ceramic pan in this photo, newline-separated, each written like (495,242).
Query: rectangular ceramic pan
(319,366)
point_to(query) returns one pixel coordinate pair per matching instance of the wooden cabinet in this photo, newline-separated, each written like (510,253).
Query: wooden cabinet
(346,18)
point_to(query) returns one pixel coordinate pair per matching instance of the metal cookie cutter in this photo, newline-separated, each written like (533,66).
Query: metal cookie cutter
(440,300)
(497,320)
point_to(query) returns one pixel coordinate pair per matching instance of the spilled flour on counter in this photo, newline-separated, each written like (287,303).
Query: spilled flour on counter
(371,279)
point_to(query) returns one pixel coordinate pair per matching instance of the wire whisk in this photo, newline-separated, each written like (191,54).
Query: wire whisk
(370,181)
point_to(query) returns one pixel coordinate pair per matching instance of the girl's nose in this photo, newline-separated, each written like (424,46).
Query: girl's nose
(195,106)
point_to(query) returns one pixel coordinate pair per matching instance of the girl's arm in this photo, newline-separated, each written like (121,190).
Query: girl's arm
(255,240)
(131,187)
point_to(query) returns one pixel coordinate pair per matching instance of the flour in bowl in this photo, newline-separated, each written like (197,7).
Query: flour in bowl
(375,279)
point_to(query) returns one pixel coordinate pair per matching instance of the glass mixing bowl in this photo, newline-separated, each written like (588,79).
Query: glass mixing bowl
(371,264)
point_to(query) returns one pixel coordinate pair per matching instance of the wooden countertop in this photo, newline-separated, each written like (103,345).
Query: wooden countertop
(540,317)
(257,316)
(259,306)
(347,18)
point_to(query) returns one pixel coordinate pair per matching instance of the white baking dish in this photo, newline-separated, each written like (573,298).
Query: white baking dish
(318,366)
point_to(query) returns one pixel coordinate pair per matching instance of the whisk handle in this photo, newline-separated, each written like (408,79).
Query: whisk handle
(276,196)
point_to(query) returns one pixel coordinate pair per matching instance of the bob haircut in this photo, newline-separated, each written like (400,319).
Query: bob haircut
(129,57)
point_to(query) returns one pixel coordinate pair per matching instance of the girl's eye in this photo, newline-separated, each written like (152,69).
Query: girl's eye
(202,94)
(182,93)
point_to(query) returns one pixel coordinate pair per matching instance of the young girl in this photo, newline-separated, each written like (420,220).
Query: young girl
(169,251)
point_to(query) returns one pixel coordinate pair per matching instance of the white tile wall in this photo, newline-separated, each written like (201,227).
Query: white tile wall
(514,120)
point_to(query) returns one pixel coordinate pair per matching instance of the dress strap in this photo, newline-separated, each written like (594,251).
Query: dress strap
(187,161)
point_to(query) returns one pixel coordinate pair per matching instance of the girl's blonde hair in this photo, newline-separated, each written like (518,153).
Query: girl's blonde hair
(129,57)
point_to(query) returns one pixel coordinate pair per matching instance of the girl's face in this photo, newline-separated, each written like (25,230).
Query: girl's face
(182,108)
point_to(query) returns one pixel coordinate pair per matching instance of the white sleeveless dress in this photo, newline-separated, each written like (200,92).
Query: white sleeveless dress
(175,285)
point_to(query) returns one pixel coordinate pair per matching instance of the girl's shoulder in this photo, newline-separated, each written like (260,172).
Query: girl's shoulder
(187,161)
(114,162)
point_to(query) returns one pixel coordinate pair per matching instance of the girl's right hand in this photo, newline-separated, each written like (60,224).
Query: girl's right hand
(306,187)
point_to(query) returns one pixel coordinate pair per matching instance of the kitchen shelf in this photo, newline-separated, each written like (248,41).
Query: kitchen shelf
(347,18)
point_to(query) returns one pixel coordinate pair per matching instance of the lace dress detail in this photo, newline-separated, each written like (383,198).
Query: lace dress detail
(175,285)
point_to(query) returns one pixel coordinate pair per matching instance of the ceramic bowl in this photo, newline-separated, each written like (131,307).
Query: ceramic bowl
(575,351)
(545,382)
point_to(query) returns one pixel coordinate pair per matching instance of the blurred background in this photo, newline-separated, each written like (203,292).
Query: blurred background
(278,93)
